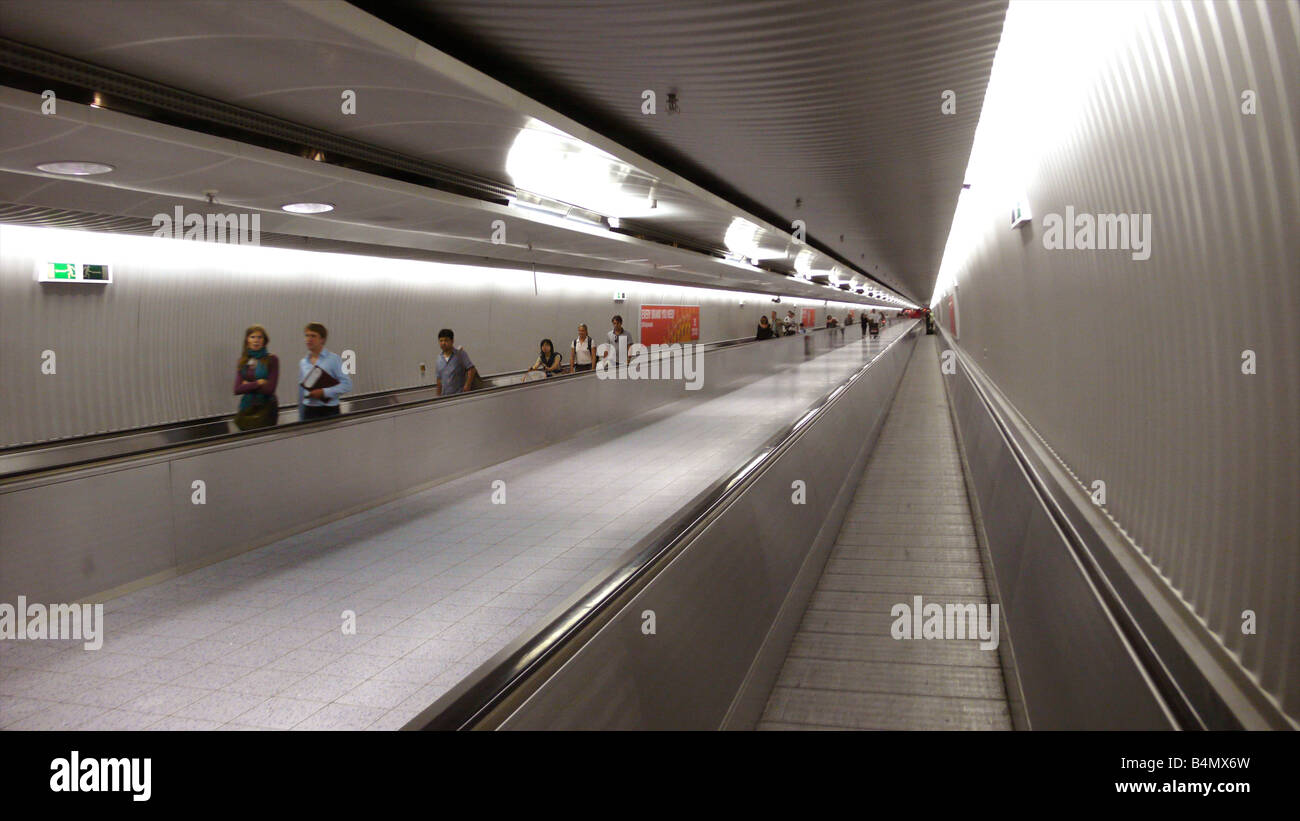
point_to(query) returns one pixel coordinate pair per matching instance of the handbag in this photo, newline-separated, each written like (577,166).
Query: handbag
(263,415)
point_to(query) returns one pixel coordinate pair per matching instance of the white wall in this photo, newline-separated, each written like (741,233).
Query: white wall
(1132,369)
(160,343)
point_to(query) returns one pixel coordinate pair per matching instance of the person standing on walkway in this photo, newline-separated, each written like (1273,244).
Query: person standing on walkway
(321,380)
(617,333)
(256,377)
(455,371)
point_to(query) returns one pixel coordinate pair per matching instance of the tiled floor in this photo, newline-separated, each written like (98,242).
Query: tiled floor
(908,532)
(439,582)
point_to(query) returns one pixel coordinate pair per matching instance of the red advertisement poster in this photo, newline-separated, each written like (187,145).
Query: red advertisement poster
(666,324)
(809,317)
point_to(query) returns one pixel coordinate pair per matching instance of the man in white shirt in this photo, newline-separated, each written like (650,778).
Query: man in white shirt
(582,355)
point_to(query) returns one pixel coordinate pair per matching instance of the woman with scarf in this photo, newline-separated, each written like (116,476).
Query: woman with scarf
(255,380)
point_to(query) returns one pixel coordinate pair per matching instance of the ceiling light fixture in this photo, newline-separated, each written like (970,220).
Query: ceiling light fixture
(307,207)
(75,168)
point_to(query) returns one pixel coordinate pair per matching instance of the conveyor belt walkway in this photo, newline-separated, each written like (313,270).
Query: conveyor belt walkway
(438,581)
(908,532)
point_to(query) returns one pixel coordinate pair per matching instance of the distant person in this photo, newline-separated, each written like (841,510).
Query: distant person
(873,323)
(256,377)
(321,380)
(864,322)
(615,333)
(831,322)
(791,327)
(455,371)
(764,329)
(548,361)
(582,353)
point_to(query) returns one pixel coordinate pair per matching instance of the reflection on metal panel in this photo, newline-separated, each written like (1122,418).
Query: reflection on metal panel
(1135,371)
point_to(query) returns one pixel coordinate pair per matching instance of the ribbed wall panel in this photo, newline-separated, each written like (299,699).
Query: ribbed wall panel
(1131,370)
(159,344)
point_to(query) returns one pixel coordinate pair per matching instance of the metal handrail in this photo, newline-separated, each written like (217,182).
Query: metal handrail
(471,701)
(221,425)
(1087,544)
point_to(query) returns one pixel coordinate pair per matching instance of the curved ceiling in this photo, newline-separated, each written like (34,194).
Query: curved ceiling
(838,108)
(836,104)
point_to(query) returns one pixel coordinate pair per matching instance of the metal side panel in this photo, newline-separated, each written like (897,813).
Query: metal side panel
(714,604)
(1074,666)
(251,497)
(67,540)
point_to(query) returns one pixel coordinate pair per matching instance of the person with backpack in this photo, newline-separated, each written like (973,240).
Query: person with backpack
(455,372)
(582,353)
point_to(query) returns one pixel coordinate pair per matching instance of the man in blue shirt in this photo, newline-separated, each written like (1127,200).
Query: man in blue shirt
(455,371)
(320,402)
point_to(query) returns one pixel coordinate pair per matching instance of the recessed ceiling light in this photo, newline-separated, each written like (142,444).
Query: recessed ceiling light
(75,168)
(307,207)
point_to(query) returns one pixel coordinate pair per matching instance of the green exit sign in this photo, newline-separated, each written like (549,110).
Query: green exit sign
(76,272)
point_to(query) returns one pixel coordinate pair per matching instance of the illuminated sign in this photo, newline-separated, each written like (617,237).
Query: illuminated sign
(96,273)
(666,324)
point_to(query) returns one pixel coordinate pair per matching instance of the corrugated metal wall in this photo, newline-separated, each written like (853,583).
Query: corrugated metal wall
(160,343)
(1132,371)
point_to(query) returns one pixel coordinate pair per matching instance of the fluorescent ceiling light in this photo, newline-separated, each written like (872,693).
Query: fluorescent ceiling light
(803,262)
(307,207)
(550,209)
(742,239)
(75,168)
(547,162)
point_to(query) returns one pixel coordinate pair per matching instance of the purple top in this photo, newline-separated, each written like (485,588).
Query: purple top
(246,385)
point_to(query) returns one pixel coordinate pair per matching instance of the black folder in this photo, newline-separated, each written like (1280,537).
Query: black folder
(318,378)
